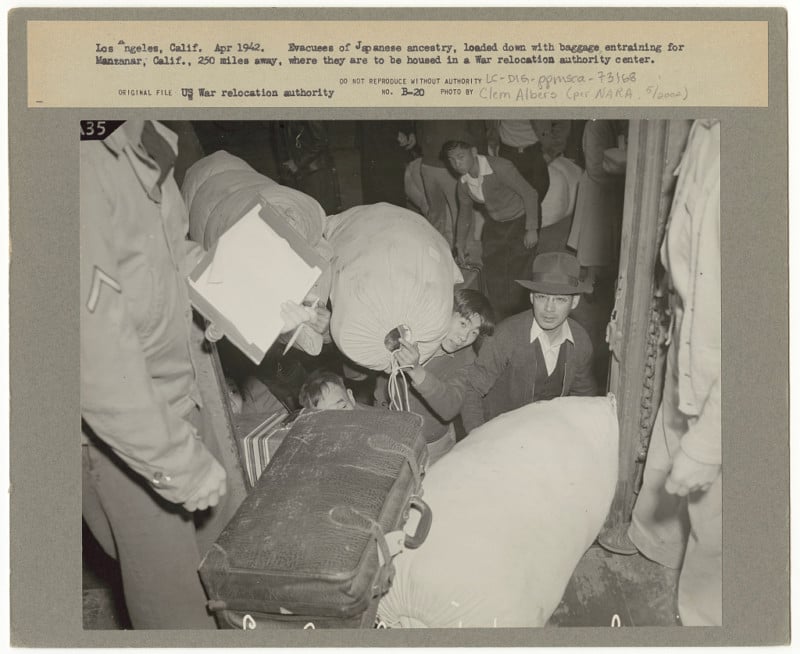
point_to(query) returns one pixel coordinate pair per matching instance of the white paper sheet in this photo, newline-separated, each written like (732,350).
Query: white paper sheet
(253,272)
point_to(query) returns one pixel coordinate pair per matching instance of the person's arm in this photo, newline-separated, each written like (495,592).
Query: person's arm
(493,358)
(472,410)
(512,178)
(584,384)
(310,323)
(315,331)
(118,400)
(192,253)
(703,440)
(445,398)
(598,136)
(698,461)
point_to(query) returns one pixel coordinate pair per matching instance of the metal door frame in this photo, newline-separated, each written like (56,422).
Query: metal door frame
(637,327)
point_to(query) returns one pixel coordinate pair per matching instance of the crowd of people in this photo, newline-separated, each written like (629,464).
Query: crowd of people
(506,196)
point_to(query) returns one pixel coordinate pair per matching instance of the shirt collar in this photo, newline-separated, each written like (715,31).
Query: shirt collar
(483,169)
(440,353)
(130,133)
(564,334)
(127,140)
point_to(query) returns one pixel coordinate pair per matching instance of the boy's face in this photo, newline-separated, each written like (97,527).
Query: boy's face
(336,397)
(462,332)
(462,160)
(550,311)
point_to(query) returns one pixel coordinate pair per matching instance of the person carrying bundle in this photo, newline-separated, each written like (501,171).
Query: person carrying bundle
(437,387)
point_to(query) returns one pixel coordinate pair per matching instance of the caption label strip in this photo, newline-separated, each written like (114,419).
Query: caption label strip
(397,63)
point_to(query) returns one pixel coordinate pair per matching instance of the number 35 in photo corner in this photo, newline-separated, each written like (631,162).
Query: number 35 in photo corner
(97,130)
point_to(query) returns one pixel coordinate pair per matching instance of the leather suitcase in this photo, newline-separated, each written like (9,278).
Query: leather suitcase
(313,542)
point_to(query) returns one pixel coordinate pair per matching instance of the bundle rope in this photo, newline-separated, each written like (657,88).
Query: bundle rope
(398,386)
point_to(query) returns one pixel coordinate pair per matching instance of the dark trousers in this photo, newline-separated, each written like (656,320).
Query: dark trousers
(505,260)
(553,238)
(323,186)
(531,165)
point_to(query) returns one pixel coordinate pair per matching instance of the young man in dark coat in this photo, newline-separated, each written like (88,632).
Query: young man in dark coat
(534,356)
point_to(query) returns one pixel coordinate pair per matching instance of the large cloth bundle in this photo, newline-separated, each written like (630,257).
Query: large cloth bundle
(391,268)
(220,188)
(517,503)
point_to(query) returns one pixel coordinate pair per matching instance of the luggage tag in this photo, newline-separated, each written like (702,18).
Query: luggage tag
(395,543)
(398,541)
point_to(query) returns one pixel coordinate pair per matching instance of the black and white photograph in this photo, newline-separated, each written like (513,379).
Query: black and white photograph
(392,374)
(392,328)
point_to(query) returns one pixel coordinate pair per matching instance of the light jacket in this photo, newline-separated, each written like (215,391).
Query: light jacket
(137,376)
(691,254)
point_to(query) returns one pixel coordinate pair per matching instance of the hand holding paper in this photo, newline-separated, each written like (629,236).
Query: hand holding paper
(294,315)
(322,319)
(250,285)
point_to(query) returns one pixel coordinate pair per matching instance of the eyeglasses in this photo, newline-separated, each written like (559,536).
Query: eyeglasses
(559,300)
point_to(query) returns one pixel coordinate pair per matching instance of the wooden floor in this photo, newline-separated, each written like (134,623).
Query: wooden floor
(641,593)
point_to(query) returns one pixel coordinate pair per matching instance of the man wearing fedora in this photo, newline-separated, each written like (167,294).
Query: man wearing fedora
(538,355)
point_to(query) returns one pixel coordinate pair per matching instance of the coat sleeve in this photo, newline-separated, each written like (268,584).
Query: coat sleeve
(472,414)
(703,440)
(598,136)
(512,178)
(492,360)
(583,384)
(118,401)
(192,254)
(445,398)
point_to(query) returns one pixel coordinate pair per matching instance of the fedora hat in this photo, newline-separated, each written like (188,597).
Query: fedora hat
(556,273)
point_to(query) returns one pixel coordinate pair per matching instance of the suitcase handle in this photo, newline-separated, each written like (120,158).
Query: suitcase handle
(412,542)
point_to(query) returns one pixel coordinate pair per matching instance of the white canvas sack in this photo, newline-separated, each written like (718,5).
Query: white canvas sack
(390,268)
(515,506)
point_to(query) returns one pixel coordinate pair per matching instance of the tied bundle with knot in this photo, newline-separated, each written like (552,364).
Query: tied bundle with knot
(398,384)
(390,268)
